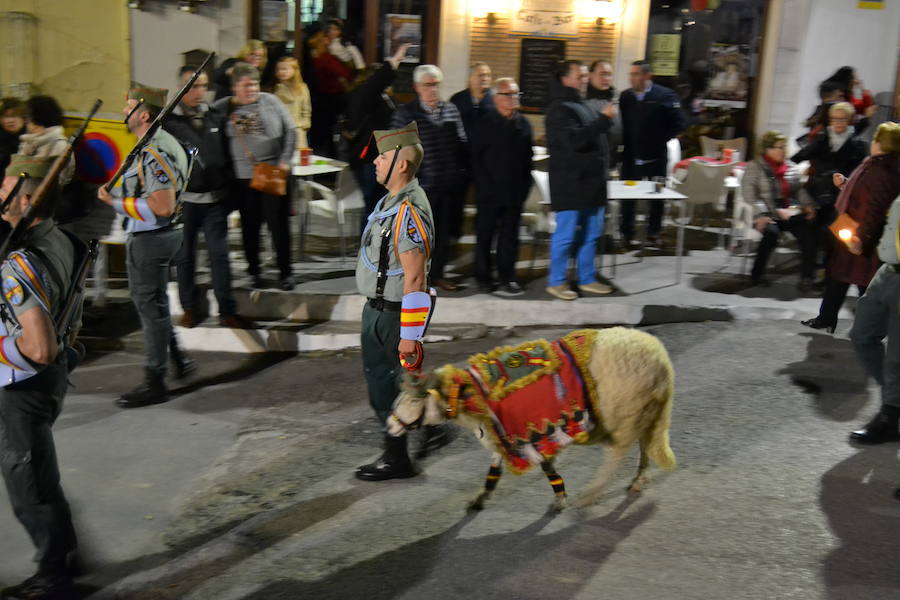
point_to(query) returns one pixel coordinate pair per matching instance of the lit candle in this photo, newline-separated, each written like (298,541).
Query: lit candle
(845,234)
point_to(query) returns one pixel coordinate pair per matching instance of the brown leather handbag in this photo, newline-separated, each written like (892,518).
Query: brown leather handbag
(268,179)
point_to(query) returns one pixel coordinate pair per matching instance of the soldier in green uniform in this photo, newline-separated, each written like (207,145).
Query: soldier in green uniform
(393,262)
(34,368)
(147,197)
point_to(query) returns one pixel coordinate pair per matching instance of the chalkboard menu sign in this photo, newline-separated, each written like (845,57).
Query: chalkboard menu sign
(537,60)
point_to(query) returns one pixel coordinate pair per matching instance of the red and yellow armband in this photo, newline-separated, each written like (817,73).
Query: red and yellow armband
(414,311)
(134,208)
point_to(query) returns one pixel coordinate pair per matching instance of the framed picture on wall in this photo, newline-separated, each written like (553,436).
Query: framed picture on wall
(403,29)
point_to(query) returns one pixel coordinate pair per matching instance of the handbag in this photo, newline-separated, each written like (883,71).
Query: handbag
(268,179)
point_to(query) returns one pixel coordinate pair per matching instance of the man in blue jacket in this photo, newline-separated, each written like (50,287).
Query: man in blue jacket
(651,116)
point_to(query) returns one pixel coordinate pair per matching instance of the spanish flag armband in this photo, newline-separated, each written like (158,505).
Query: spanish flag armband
(12,357)
(134,208)
(414,312)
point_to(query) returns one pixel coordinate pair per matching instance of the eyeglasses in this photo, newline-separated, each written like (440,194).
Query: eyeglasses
(838,119)
(510,94)
(431,84)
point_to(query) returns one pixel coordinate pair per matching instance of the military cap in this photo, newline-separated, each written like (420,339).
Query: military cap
(394,139)
(36,167)
(152,97)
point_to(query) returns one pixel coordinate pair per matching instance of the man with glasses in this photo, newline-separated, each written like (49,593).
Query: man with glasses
(446,147)
(501,163)
(600,93)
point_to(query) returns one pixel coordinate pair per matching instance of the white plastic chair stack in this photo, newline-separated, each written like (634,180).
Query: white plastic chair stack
(673,152)
(704,184)
(332,205)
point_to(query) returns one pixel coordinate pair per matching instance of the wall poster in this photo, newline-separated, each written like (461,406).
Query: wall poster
(665,50)
(273,20)
(729,68)
(403,29)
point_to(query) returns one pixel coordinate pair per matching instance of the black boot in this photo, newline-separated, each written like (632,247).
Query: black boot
(152,391)
(882,428)
(394,463)
(436,436)
(41,586)
(184,366)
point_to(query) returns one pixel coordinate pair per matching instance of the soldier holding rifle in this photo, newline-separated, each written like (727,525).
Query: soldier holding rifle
(35,311)
(147,197)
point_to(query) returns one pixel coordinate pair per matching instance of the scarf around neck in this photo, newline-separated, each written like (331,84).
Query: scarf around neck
(779,169)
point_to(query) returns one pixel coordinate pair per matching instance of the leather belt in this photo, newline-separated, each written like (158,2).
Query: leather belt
(382,305)
(169,227)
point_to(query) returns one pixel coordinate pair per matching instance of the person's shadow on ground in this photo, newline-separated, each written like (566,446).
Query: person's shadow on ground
(857,499)
(832,374)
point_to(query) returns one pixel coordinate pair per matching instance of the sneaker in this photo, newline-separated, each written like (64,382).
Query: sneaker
(562,292)
(511,288)
(596,288)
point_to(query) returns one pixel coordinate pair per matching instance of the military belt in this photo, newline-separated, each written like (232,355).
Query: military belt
(380,304)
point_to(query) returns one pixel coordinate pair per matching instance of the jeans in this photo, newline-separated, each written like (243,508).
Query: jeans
(579,229)
(877,317)
(212,220)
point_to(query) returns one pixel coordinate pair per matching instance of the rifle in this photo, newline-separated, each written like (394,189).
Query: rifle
(155,125)
(40,195)
(15,192)
(75,293)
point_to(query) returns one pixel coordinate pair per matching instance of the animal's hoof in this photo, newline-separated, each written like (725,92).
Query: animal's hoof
(558,505)
(586,499)
(637,486)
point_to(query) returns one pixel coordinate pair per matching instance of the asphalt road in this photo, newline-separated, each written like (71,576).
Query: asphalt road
(242,487)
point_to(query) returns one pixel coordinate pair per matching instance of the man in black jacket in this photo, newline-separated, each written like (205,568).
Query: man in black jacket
(651,116)
(446,154)
(205,203)
(501,163)
(576,140)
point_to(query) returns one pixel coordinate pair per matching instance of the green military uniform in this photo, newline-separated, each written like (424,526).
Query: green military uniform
(36,275)
(153,241)
(398,224)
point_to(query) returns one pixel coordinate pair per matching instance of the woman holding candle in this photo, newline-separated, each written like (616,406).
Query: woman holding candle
(865,198)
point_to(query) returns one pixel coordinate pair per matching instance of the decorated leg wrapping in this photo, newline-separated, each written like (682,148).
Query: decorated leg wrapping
(493,476)
(556,482)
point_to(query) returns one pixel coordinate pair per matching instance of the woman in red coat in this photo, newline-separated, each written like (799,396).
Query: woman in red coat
(866,197)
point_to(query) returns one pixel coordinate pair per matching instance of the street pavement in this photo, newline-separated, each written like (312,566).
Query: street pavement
(242,486)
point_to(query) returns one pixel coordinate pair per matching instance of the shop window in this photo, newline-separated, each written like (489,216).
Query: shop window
(708,51)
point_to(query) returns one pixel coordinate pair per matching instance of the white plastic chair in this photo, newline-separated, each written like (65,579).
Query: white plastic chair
(673,152)
(704,184)
(333,204)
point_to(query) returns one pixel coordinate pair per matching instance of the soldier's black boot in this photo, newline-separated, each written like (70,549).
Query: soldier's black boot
(152,391)
(394,463)
(884,427)
(49,583)
(436,436)
(184,365)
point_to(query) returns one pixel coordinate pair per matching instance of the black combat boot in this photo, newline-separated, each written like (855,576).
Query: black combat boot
(882,428)
(184,366)
(49,583)
(394,463)
(436,436)
(152,391)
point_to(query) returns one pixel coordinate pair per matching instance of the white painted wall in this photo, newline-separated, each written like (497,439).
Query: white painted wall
(161,33)
(632,39)
(816,38)
(453,55)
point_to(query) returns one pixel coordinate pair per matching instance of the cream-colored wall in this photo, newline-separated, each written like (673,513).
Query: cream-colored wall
(160,33)
(453,55)
(81,51)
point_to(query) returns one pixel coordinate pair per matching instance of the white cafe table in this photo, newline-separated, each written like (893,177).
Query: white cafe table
(646,190)
(318,165)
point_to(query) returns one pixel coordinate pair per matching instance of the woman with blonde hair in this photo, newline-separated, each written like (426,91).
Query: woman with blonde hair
(253,53)
(292,91)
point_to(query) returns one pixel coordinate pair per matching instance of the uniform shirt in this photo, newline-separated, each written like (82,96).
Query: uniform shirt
(161,161)
(415,229)
(35,279)
(889,246)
